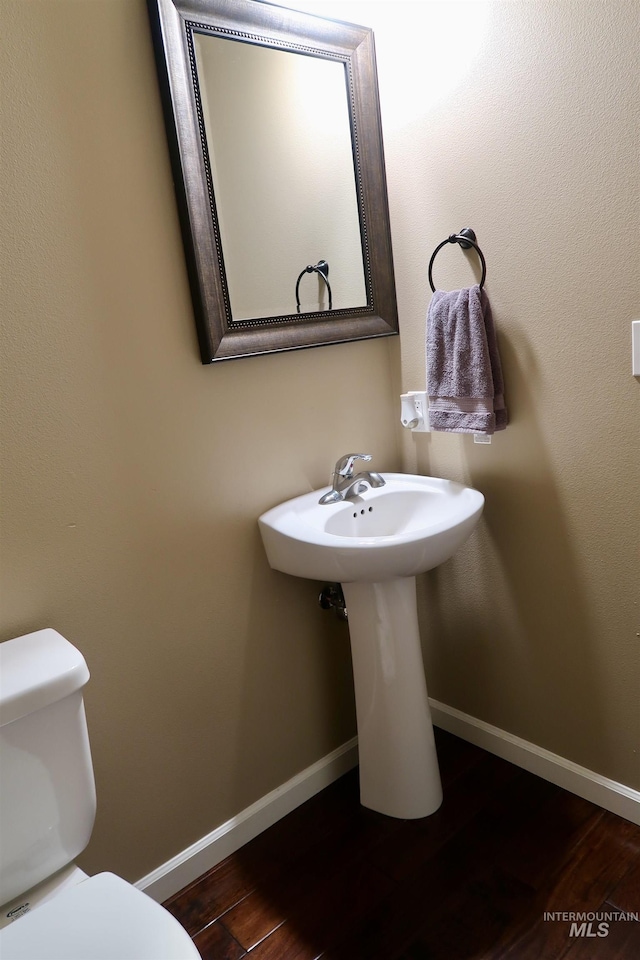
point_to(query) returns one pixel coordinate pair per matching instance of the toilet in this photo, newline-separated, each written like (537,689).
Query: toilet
(52,910)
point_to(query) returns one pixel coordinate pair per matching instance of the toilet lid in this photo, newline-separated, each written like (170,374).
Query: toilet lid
(102,918)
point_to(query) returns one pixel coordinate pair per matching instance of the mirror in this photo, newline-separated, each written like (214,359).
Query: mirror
(274,132)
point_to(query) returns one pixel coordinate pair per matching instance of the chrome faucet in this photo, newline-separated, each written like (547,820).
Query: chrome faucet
(346,486)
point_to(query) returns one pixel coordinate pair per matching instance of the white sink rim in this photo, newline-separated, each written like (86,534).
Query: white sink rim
(399,773)
(297,543)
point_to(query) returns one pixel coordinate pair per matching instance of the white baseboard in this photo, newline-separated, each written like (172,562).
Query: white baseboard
(226,839)
(613,796)
(201,856)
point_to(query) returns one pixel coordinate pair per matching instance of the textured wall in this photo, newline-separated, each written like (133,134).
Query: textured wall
(535,627)
(522,120)
(132,476)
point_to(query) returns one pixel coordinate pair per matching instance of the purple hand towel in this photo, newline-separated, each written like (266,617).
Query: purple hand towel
(464,373)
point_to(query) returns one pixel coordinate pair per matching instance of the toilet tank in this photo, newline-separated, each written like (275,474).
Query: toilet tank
(47,790)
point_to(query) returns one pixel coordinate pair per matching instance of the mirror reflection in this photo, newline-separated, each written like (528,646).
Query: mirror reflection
(279,140)
(274,133)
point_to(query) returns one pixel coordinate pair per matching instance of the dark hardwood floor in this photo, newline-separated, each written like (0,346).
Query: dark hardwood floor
(471,882)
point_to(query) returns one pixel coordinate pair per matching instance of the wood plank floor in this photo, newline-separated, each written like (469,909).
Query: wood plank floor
(471,882)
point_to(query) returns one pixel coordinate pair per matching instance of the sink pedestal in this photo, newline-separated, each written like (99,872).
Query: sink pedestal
(375,544)
(399,774)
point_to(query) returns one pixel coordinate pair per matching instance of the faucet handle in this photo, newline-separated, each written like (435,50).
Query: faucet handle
(344,466)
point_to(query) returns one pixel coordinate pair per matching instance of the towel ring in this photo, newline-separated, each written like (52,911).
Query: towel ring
(322,269)
(466,238)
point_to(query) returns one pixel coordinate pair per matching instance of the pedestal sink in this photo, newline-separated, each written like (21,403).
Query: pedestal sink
(374,545)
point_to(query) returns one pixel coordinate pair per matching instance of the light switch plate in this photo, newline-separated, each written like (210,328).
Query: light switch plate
(635,347)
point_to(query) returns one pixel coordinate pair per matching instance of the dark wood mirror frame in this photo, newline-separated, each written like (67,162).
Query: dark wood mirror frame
(222,338)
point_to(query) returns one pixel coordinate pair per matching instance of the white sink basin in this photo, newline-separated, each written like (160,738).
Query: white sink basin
(408,526)
(374,546)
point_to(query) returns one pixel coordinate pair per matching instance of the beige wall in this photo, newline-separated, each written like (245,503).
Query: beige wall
(535,626)
(132,475)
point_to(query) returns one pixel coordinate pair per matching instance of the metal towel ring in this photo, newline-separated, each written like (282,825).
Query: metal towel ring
(322,269)
(466,238)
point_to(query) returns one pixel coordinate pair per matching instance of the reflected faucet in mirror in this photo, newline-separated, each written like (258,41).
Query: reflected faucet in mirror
(346,486)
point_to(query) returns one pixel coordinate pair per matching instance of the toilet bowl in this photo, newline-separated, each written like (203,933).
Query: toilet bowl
(52,910)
